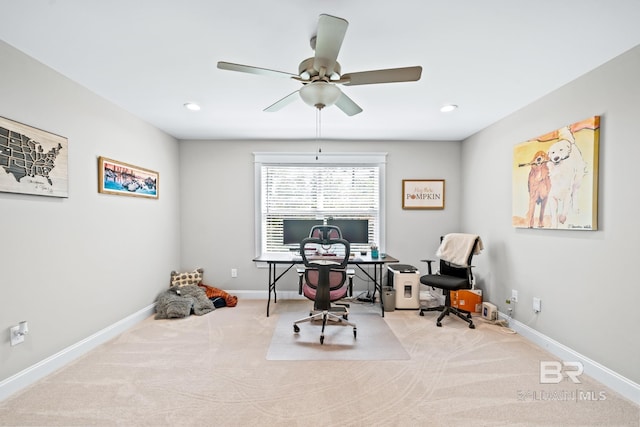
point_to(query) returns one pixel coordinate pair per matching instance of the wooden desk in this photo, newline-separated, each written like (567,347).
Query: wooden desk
(288,260)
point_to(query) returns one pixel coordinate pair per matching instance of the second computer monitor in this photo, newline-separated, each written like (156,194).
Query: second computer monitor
(353,230)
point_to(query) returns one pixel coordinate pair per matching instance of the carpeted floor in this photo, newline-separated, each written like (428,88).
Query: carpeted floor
(213,370)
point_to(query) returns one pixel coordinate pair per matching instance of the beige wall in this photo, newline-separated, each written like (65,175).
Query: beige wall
(73,266)
(587,280)
(217,190)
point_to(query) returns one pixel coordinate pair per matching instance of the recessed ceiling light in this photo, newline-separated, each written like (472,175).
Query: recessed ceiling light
(448,108)
(192,106)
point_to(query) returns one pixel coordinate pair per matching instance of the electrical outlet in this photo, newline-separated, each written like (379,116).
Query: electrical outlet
(234,272)
(537,304)
(16,336)
(514,295)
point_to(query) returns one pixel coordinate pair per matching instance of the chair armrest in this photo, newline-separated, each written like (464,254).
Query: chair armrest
(429,262)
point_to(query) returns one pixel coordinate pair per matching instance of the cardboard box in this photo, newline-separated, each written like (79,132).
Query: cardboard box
(467,299)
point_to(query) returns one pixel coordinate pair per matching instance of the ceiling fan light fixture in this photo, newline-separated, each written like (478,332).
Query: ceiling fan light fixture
(320,94)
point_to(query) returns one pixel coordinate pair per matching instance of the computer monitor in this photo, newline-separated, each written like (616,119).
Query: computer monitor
(294,230)
(353,230)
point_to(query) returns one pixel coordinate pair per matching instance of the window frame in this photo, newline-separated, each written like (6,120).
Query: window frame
(377,159)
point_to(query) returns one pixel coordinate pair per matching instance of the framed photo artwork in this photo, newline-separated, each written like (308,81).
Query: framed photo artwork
(123,179)
(423,194)
(32,161)
(555,179)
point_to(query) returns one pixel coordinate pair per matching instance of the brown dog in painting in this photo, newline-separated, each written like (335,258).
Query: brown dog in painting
(539,186)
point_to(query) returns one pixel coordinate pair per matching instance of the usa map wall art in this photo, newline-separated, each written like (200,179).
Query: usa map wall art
(32,161)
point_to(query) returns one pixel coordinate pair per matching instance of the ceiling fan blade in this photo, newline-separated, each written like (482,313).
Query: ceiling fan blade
(278,105)
(331,32)
(391,75)
(253,70)
(347,105)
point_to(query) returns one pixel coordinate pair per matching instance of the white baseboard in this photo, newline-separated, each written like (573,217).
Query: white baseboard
(606,376)
(263,295)
(45,367)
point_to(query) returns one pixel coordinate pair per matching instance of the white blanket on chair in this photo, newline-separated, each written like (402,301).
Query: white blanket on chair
(456,247)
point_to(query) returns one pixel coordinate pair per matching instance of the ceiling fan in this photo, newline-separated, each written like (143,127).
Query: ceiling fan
(321,73)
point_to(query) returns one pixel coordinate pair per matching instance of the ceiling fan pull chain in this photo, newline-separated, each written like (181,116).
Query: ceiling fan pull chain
(318,130)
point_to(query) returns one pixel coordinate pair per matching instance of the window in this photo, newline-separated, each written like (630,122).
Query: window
(336,186)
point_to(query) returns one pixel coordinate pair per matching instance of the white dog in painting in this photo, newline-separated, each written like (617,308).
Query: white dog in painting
(567,168)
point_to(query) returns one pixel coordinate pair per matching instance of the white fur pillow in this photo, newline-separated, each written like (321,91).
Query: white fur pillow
(188,278)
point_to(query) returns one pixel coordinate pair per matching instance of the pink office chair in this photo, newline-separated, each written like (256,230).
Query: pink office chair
(325,256)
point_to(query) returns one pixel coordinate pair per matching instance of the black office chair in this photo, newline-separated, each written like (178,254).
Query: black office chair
(325,259)
(456,253)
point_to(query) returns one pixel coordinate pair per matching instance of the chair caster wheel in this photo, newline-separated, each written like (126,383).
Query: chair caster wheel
(472,326)
(468,316)
(296,328)
(421,313)
(439,324)
(345,317)
(322,340)
(355,333)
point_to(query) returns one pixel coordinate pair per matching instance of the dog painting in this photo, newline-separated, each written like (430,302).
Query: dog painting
(538,186)
(556,174)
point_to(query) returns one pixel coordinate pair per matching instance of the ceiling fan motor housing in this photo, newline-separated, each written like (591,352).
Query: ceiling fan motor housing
(308,73)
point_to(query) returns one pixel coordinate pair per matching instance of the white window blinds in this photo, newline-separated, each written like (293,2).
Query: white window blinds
(329,189)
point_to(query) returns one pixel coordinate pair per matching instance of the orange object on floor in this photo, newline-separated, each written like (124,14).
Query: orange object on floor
(212,292)
(467,299)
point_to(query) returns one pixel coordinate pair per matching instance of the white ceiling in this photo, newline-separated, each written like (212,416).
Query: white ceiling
(490,57)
